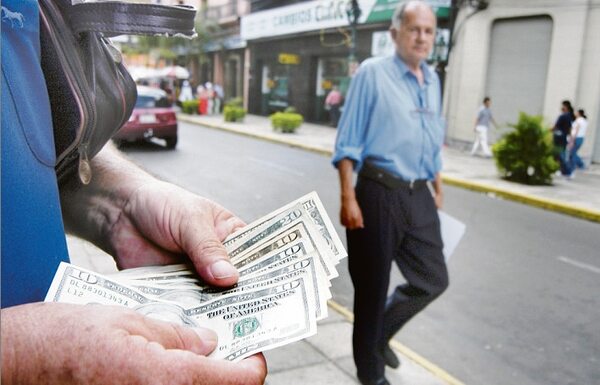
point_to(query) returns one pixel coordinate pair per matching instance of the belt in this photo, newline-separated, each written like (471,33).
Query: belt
(389,180)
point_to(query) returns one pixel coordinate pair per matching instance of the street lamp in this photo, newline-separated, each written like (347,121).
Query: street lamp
(353,13)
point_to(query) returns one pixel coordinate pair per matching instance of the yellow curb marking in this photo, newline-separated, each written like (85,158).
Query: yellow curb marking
(545,203)
(413,356)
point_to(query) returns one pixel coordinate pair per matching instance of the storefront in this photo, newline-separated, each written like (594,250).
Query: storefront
(300,52)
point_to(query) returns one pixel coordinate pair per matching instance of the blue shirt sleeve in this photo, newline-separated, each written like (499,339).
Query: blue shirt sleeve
(355,118)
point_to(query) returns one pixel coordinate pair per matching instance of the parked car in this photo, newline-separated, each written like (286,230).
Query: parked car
(152,117)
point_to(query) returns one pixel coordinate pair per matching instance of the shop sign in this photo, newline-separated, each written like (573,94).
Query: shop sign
(322,14)
(306,16)
(289,58)
(383,10)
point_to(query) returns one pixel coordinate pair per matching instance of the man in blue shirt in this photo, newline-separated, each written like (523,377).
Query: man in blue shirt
(391,131)
(127,212)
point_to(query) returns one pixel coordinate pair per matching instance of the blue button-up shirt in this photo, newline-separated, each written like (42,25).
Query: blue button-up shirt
(392,120)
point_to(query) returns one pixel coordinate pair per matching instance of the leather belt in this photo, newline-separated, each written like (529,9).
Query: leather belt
(387,179)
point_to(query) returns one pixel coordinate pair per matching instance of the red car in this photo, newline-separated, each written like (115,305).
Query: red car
(152,117)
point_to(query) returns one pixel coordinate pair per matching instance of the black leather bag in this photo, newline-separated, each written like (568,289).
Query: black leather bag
(91,92)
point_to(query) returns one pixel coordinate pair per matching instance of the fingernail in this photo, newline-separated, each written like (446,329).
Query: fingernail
(209,338)
(222,269)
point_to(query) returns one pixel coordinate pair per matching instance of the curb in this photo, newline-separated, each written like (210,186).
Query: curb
(413,356)
(273,139)
(544,203)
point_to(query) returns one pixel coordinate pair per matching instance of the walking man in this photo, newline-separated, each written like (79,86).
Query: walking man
(482,125)
(391,132)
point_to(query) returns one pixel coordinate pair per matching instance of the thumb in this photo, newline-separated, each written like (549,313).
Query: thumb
(208,255)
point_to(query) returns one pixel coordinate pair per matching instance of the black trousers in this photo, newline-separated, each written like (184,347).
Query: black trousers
(400,225)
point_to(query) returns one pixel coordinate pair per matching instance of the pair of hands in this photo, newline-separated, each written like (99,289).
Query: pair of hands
(140,221)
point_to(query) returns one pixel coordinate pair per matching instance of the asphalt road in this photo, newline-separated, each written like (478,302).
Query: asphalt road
(522,307)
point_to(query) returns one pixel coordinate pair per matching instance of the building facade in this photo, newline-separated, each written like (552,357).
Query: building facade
(300,51)
(526,56)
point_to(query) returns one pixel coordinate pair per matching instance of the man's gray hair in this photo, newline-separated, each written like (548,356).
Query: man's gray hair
(398,16)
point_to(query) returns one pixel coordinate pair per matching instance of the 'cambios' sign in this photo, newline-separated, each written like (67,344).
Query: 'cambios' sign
(306,16)
(323,14)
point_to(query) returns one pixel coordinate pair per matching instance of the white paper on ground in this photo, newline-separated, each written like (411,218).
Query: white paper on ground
(452,231)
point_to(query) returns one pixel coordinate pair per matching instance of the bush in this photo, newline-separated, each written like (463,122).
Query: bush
(190,107)
(527,154)
(234,113)
(287,121)
(234,110)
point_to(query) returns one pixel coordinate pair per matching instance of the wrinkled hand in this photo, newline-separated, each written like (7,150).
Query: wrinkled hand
(55,343)
(351,214)
(143,221)
(161,222)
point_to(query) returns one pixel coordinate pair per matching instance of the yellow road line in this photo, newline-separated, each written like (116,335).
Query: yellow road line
(413,356)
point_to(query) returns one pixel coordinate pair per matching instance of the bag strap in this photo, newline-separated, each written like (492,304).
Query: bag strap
(120,18)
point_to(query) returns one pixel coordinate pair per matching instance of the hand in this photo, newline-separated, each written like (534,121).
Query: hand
(438,198)
(161,222)
(55,343)
(142,221)
(351,214)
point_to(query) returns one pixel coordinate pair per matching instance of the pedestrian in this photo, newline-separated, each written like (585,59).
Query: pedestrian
(560,135)
(482,125)
(202,96)
(137,218)
(210,97)
(186,92)
(577,137)
(391,131)
(333,103)
(218,98)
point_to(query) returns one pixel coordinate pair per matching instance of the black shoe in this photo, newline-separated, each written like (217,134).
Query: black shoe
(390,358)
(379,381)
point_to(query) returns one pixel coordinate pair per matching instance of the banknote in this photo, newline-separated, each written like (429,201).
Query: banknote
(317,214)
(275,234)
(250,322)
(246,322)
(284,270)
(285,261)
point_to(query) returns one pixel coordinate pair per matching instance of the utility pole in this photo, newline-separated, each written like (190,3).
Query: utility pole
(353,12)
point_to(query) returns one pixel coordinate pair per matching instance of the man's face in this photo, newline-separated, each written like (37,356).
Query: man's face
(416,35)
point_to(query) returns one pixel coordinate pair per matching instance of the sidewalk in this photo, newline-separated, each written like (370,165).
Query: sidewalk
(579,197)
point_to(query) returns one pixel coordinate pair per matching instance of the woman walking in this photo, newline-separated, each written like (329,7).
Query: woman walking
(577,136)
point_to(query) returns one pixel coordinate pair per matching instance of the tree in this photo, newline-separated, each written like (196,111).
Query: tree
(527,154)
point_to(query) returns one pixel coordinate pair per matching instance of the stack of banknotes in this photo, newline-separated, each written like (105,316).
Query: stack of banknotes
(285,260)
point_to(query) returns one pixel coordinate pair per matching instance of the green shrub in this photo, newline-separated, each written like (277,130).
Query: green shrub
(527,154)
(190,107)
(287,121)
(233,113)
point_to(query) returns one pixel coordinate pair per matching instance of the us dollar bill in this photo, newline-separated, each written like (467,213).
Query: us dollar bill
(274,235)
(284,270)
(251,322)
(246,323)
(317,215)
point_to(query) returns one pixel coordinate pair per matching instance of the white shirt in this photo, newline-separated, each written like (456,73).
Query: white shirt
(582,123)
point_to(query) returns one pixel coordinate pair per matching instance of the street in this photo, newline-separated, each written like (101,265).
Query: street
(522,303)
